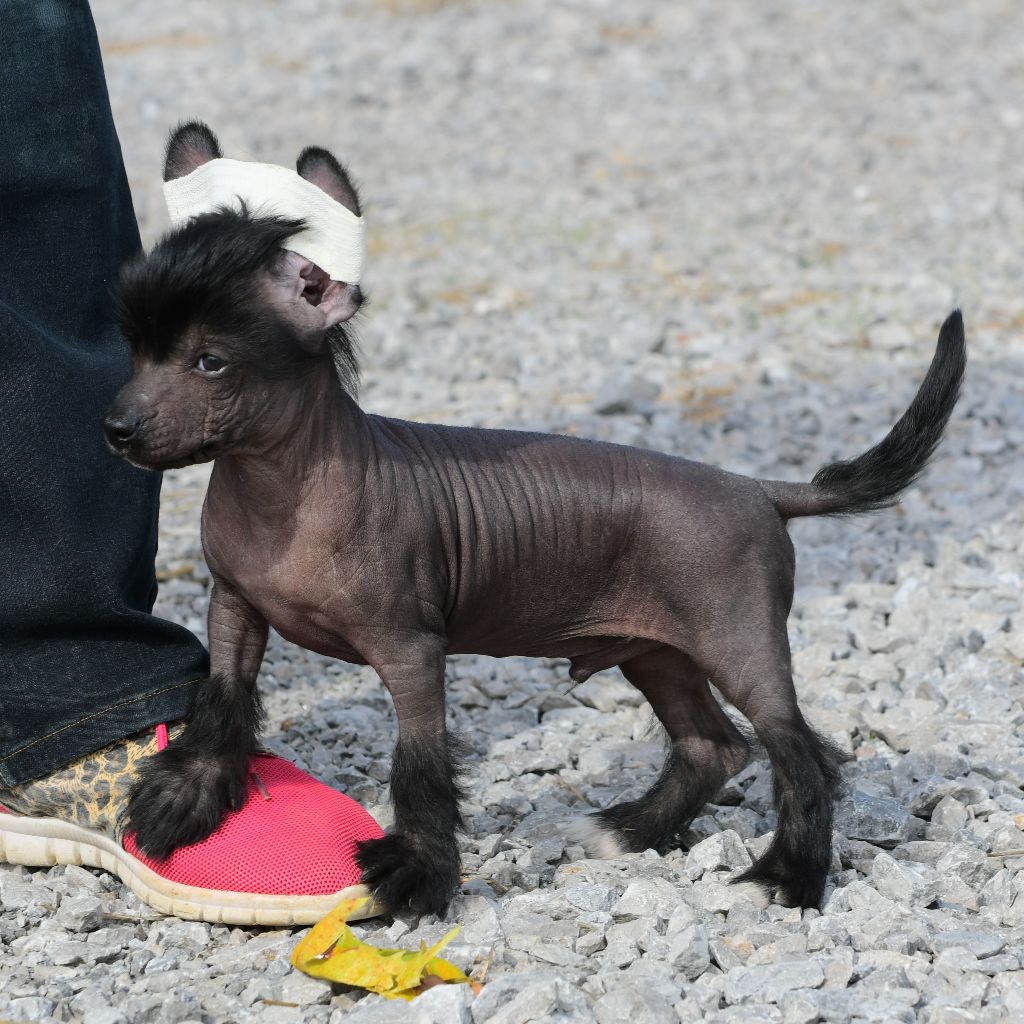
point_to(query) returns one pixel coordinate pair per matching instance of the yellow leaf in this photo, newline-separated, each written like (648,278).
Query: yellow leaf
(331,951)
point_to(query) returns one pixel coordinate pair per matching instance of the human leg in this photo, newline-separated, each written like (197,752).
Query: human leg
(83,662)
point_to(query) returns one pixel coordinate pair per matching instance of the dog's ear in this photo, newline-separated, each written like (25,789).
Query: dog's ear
(191,145)
(324,171)
(309,300)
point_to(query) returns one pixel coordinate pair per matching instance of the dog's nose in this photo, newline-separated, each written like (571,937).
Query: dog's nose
(120,429)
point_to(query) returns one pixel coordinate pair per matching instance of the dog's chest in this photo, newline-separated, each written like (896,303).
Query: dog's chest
(292,577)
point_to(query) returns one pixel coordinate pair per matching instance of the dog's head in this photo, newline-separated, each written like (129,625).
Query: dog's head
(220,315)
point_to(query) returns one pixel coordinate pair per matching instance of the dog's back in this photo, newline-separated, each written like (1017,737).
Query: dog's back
(557,540)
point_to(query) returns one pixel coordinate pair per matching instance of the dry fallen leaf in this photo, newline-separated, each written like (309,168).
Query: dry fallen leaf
(331,951)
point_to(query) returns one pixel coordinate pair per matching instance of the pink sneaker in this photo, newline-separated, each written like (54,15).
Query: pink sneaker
(286,858)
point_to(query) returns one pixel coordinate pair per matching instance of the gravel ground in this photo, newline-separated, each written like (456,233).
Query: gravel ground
(723,230)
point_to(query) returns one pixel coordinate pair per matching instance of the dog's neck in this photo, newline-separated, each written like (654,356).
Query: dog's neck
(312,429)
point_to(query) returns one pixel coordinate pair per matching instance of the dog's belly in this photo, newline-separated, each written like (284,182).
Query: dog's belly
(548,613)
(586,654)
(528,618)
(595,654)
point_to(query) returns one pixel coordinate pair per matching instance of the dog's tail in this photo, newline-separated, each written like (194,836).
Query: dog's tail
(876,479)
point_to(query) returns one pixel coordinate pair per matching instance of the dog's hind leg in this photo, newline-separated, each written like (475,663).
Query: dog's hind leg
(705,750)
(758,681)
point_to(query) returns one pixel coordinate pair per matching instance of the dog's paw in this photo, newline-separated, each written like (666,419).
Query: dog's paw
(625,828)
(410,872)
(181,797)
(789,885)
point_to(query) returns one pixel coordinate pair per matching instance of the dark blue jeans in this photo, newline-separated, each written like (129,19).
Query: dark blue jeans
(82,660)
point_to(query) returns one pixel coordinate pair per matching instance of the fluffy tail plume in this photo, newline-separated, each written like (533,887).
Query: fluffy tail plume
(876,479)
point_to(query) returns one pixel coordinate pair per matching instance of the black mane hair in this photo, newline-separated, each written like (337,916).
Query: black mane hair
(205,272)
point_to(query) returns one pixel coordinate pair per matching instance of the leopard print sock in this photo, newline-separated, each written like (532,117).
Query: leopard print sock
(91,791)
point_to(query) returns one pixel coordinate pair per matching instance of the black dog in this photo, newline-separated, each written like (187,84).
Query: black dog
(395,544)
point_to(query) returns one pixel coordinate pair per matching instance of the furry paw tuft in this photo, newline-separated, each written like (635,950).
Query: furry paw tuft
(181,797)
(788,887)
(407,871)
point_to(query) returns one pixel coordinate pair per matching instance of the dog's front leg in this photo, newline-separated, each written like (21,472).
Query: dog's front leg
(185,790)
(417,864)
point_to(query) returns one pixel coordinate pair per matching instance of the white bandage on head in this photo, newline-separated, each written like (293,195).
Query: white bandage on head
(334,237)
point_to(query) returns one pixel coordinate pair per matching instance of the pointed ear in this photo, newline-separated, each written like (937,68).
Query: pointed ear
(191,145)
(308,300)
(324,171)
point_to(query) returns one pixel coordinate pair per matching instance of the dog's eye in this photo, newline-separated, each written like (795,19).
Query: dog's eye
(209,363)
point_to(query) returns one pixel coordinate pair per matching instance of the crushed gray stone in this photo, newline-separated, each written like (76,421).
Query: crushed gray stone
(723,231)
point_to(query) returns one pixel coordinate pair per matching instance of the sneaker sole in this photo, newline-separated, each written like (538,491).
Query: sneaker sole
(43,842)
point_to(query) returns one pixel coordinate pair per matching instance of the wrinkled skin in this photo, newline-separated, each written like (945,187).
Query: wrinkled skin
(395,544)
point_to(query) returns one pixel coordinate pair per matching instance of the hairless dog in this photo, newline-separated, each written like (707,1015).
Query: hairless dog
(395,544)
